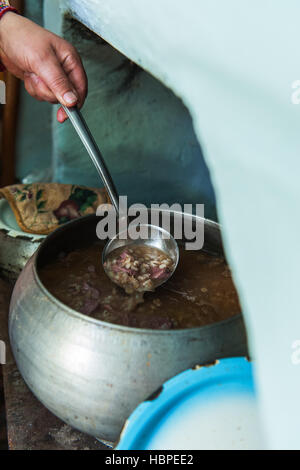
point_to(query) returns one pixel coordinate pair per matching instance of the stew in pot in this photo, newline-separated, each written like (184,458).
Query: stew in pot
(200,292)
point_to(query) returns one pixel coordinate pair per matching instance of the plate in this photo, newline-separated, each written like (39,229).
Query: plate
(212,408)
(16,246)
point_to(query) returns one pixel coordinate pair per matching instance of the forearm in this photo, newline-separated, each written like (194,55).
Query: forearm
(5,8)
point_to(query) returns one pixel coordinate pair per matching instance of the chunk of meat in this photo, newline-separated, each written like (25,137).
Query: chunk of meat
(139,268)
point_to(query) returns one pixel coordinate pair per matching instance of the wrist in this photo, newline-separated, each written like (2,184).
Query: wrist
(6,20)
(6,23)
(6,8)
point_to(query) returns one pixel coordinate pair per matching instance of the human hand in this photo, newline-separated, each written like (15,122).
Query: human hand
(50,67)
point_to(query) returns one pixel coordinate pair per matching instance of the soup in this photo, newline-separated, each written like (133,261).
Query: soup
(200,292)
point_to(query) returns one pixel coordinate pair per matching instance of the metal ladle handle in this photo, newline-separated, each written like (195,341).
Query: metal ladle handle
(88,141)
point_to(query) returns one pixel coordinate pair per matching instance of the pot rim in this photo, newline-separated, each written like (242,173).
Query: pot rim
(68,310)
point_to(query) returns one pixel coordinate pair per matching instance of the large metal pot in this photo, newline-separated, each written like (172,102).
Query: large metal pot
(90,373)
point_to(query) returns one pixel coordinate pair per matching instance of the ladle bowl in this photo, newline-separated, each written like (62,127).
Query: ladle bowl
(150,236)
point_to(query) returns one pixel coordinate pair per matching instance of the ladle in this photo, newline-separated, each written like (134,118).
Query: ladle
(156,237)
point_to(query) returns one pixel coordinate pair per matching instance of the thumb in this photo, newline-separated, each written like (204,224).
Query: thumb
(55,78)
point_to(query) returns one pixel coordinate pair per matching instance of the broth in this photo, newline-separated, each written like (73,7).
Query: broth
(200,292)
